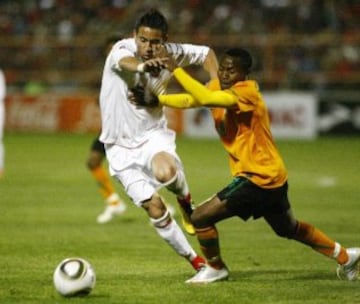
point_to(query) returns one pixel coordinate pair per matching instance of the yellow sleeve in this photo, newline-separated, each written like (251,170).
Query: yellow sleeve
(180,101)
(202,94)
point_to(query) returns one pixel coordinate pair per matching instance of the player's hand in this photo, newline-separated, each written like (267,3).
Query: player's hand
(167,60)
(137,97)
(154,66)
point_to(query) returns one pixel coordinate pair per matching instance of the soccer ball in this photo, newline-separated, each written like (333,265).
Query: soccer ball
(74,277)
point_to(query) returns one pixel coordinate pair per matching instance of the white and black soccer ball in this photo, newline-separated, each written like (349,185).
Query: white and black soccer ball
(74,277)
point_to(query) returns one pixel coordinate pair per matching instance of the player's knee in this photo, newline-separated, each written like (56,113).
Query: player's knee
(164,167)
(282,233)
(285,231)
(92,163)
(165,174)
(89,164)
(199,219)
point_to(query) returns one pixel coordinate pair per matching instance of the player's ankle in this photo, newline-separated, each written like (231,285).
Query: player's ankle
(184,200)
(216,262)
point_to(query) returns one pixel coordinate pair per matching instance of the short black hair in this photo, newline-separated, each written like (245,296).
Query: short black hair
(153,19)
(242,58)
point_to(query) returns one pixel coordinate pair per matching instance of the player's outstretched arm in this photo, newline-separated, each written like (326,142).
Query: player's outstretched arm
(202,94)
(134,65)
(179,101)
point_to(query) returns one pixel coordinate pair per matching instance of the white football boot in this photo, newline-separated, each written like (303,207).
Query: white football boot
(114,207)
(208,274)
(350,270)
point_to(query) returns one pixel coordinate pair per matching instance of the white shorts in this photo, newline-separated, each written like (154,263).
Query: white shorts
(132,166)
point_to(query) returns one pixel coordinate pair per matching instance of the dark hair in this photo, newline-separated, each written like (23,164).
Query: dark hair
(242,58)
(153,19)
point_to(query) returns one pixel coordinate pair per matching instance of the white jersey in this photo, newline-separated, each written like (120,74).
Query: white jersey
(123,123)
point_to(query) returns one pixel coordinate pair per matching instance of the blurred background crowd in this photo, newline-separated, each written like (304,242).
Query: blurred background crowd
(297,44)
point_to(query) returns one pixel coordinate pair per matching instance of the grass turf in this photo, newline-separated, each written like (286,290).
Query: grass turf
(49,202)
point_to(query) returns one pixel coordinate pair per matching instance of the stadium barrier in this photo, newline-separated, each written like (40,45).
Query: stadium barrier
(51,113)
(297,115)
(292,115)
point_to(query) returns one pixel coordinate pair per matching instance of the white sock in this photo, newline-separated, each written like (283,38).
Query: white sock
(179,185)
(170,231)
(337,250)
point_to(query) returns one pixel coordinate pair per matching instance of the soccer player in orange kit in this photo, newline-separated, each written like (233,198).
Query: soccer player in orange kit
(259,187)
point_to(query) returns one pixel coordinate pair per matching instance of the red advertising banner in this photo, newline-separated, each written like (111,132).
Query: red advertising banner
(51,113)
(62,113)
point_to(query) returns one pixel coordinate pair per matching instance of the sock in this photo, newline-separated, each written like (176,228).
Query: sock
(320,242)
(103,180)
(170,231)
(113,199)
(186,203)
(178,185)
(209,243)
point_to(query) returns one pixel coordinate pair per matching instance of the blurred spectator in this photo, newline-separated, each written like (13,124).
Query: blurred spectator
(34,88)
(66,35)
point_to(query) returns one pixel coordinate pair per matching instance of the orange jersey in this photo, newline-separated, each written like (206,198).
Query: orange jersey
(245,133)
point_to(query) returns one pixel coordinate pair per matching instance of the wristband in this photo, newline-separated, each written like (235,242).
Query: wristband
(141,67)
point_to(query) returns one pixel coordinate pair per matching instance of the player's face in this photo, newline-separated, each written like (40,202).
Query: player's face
(229,73)
(148,42)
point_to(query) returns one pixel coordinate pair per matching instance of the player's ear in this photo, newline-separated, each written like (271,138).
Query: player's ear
(165,37)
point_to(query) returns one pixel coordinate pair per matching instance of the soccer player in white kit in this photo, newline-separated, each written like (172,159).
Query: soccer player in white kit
(139,147)
(2,121)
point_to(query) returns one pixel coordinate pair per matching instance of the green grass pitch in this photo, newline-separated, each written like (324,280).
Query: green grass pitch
(49,203)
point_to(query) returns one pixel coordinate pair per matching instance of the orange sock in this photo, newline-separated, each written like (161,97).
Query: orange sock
(103,180)
(320,242)
(209,244)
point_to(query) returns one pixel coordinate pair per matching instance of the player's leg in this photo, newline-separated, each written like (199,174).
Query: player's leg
(285,225)
(204,218)
(114,204)
(236,199)
(132,169)
(168,171)
(169,230)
